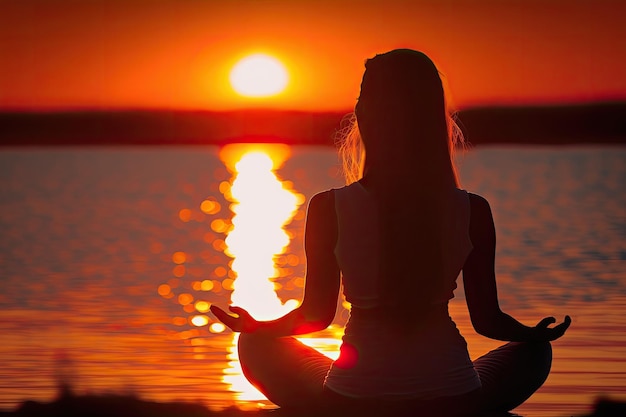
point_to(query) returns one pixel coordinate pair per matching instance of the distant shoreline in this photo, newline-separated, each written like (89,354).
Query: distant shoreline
(596,123)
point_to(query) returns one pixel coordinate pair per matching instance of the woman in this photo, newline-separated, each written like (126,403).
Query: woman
(397,237)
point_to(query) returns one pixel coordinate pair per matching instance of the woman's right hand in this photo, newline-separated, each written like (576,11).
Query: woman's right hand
(241,321)
(542,333)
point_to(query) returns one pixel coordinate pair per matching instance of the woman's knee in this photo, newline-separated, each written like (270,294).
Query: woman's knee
(539,356)
(252,347)
(513,372)
(532,360)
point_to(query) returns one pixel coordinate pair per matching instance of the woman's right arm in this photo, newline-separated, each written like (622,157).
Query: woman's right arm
(479,281)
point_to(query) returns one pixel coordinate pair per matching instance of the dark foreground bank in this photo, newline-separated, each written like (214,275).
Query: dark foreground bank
(68,405)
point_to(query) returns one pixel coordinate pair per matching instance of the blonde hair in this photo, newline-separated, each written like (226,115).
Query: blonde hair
(352,150)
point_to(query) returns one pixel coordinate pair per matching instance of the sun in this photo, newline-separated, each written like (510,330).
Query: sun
(259,75)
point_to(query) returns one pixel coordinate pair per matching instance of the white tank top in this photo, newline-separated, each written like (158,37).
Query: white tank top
(429,363)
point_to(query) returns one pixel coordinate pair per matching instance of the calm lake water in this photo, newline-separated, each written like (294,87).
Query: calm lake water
(110,256)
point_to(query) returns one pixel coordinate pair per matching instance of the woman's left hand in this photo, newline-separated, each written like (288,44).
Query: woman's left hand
(242,321)
(543,333)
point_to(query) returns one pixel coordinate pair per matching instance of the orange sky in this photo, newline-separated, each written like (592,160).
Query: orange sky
(177,53)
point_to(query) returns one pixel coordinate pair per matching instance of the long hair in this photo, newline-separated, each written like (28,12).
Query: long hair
(401,144)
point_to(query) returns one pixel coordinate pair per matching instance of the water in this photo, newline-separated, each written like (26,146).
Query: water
(89,237)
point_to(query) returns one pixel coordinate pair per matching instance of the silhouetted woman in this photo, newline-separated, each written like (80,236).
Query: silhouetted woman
(397,237)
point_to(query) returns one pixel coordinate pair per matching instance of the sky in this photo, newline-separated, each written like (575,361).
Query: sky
(177,54)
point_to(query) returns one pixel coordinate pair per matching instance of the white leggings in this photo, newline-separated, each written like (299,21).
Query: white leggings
(291,375)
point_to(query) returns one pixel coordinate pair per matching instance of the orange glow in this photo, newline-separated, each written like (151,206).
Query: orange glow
(259,75)
(232,154)
(329,346)
(179,321)
(505,53)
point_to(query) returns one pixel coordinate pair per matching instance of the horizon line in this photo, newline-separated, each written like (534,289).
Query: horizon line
(270,109)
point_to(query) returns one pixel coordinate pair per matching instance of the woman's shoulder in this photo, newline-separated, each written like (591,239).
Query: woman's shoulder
(340,192)
(324,195)
(478,203)
(322,200)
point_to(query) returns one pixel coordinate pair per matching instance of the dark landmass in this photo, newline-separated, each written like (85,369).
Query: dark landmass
(598,123)
(590,124)
(69,405)
(161,127)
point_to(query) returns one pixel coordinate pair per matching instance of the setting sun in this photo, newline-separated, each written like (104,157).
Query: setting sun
(259,75)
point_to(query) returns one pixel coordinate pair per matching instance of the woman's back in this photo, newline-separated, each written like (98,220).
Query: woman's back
(358,244)
(377,360)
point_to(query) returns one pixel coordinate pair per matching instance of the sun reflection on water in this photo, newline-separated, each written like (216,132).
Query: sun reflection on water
(262,205)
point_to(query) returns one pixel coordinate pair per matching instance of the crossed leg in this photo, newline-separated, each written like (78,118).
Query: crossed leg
(291,374)
(511,373)
(286,371)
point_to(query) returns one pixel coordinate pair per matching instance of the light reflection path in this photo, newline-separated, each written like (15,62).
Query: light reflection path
(262,205)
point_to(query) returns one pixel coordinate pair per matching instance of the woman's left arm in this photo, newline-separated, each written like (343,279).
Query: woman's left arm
(322,283)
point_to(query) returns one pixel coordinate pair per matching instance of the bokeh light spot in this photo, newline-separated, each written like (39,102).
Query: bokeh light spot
(219,245)
(184,215)
(164,290)
(202,306)
(179,257)
(220,271)
(179,271)
(217,286)
(219,226)
(210,206)
(227,284)
(200,320)
(206,285)
(185,298)
(217,328)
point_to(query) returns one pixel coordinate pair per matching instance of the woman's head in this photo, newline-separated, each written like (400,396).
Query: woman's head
(401,114)
(396,87)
